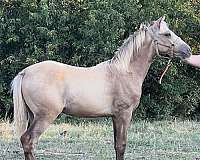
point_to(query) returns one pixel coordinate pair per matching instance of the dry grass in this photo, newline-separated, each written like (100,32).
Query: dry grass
(6,131)
(164,140)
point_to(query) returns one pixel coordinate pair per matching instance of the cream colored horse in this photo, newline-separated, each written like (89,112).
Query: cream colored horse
(112,88)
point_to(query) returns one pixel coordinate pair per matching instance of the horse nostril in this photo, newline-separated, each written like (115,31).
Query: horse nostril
(184,50)
(189,49)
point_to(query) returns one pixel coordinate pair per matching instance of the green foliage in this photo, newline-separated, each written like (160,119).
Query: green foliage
(84,33)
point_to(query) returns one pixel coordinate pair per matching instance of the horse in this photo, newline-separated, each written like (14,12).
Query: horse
(112,88)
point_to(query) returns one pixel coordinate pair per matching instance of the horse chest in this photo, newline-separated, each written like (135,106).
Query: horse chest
(126,95)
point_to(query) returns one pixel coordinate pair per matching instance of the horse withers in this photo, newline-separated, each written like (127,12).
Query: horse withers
(111,88)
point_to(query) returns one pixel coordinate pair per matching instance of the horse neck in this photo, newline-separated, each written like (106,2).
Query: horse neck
(141,64)
(138,65)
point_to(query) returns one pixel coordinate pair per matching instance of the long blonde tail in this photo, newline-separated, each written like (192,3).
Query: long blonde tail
(20,111)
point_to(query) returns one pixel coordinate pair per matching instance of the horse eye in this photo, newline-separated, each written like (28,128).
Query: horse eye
(167,34)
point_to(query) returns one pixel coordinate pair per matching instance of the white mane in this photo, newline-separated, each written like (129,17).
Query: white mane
(129,49)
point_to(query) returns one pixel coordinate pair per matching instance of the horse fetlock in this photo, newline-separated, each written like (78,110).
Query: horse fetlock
(120,148)
(29,156)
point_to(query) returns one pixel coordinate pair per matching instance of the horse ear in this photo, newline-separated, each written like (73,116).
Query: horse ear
(142,26)
(163,18)
(159,21)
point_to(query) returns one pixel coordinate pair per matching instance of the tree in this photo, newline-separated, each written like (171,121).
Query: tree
(84,33)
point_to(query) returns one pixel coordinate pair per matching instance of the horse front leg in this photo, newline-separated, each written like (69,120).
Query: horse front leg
(121,123)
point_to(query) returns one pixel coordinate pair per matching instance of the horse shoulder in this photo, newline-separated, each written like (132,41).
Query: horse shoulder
(126,92)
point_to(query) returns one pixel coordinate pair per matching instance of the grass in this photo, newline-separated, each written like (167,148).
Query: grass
(160,140)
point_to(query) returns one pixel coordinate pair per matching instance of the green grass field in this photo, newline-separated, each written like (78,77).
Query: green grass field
(161,140)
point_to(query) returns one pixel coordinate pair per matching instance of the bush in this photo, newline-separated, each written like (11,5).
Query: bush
(84,33)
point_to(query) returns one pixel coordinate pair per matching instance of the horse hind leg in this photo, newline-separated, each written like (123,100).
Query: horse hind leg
(39,124)
(30,117)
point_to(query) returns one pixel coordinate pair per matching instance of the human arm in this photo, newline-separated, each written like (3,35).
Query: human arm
(193,60)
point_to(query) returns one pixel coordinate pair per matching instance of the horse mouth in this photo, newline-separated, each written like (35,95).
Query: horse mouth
(184,55)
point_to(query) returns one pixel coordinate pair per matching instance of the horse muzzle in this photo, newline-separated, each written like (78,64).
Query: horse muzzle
(184,51)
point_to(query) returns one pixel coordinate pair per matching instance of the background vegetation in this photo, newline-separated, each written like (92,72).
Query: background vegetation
(86,32)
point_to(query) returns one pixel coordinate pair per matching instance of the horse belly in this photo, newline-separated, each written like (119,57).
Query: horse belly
(88,94)
(89,106)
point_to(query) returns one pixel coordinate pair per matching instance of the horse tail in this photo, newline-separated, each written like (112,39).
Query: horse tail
(20,110)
